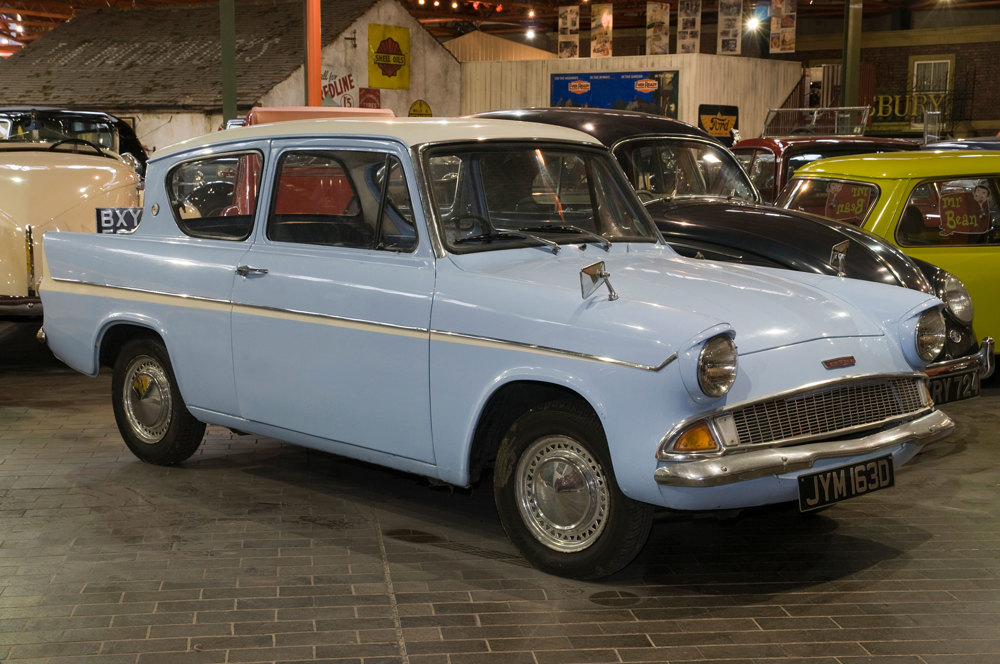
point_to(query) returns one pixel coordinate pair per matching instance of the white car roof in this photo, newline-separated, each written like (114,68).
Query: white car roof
(410,131)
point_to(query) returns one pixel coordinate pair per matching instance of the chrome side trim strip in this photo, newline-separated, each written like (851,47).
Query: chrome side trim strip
(763,463)
(459,337)
(385,328)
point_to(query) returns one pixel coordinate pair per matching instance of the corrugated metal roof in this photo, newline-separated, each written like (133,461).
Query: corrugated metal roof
(166,58)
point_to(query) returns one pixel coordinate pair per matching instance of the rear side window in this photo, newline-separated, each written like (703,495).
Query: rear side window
(844,201)
(948,212)
(344,199)
(216,197)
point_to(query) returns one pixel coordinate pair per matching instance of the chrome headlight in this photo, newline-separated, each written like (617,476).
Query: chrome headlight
(954,294)
(930,334)
(717,366)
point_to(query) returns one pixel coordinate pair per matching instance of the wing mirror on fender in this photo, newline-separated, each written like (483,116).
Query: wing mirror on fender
(593,277)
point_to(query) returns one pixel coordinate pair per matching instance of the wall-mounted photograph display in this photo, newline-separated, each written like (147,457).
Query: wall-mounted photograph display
(657,28)
(730,27)
(569,31)
(689,26)
(601,21)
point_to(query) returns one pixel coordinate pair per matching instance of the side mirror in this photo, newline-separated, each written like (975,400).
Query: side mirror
(838,257)
(592,278)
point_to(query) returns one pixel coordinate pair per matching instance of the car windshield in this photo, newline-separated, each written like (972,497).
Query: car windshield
(515,195)
(669,168)
(49,127)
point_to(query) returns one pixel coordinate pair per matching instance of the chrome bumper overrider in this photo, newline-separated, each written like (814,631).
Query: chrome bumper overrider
(718,471)
(983,360)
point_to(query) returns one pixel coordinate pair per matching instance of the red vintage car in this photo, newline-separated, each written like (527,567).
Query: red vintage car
(772,161)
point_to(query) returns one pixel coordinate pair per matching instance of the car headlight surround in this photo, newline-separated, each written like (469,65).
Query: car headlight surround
(930,334)
(717,365)
(955,295)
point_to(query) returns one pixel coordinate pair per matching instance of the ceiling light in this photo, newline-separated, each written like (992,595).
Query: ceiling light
(530,34)
(753,23)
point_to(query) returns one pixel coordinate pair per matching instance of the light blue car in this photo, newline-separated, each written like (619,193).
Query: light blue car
(450,297)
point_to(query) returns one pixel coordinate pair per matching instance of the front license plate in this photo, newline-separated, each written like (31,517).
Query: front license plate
(956,387)
(831,486)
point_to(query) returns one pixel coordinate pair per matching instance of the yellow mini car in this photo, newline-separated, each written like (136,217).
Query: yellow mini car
(942,207)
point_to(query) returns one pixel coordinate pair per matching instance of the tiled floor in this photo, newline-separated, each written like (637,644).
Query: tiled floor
(256,551)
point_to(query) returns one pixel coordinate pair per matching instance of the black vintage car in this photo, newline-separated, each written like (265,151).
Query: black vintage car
(706,207)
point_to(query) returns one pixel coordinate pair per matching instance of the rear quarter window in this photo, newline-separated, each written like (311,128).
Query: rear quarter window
(216,197)
(841,200)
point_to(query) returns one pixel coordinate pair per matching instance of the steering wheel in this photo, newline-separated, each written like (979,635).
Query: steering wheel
(78,141)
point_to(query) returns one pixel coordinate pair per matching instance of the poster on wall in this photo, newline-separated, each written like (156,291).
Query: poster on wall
(647,91)
(657,28)
(719,121)
(782,26)
(338,89)
(369,98)
(689,26)
(730,27)
(388,57)
(600,31)
(569,31)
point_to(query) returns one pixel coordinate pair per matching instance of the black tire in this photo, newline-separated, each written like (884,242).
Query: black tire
(149,410)
(592,531)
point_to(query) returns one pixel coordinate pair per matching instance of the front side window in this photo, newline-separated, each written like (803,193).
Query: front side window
(962,211)
(842,200)
(342,198)
(521,195)
(665,168)
(216,197)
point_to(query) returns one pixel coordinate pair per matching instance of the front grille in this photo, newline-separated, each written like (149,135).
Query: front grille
(828,410)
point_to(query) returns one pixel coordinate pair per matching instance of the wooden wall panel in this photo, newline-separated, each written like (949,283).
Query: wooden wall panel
(752,84)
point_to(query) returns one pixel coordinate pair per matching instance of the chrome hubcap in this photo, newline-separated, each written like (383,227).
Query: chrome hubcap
(146,397)
(562,493)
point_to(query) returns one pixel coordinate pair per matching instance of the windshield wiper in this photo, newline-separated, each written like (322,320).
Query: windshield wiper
(506,233)
(568,228)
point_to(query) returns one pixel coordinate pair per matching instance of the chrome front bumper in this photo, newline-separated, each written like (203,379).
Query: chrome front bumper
(733,468)
(983,360)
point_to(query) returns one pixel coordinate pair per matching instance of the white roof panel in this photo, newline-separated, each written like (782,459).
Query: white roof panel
(410,131)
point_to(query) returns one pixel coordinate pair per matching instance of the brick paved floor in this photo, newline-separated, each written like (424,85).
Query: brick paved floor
(257,551)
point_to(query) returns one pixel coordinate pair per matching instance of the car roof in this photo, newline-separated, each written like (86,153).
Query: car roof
(607,125)
(900,165)
(409,131)
(782,143)
(981,143)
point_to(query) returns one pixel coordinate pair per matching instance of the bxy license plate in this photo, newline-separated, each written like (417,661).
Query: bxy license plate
(955,387)
(831,486)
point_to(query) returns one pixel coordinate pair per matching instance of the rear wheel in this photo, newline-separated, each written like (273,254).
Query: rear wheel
(557,496)
(150,413)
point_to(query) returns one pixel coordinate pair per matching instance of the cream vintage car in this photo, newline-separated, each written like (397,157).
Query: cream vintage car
(48,183)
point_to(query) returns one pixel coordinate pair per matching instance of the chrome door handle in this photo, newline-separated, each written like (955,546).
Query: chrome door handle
(244,270)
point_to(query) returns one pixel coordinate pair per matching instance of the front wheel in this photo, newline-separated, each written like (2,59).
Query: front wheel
(150,413)
(557,496)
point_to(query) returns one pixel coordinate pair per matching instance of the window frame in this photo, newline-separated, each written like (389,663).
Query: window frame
(783,199)
(995,178)
(174,210)
(281,152)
